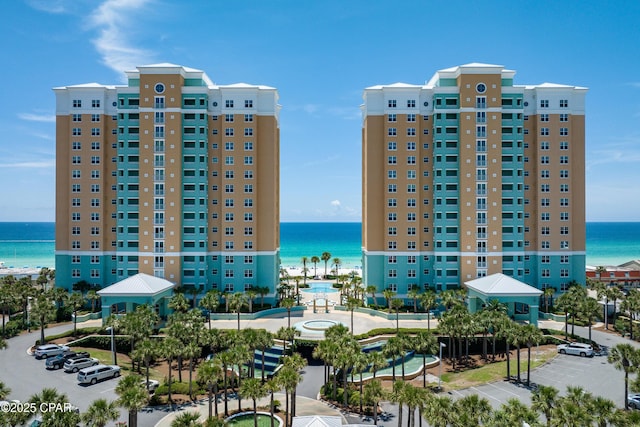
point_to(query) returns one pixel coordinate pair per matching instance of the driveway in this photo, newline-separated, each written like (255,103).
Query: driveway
(26,376)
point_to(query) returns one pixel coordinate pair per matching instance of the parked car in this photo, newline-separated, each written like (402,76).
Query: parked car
(633,400)
(152,385)
(58,361)
(74,365)
(577,349)
(48,350)
(98,373)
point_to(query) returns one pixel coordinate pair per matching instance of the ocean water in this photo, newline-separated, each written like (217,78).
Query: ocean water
(33,244)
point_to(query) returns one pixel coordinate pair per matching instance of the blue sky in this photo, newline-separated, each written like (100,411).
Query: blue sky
(320,55)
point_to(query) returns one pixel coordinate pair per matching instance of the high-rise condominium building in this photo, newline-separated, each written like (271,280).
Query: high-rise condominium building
(170,175)
(470,175)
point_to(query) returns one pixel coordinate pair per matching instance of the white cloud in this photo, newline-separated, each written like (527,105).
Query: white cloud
(49,118)
(49,6)
(335,203)
(30,165)
(112,19)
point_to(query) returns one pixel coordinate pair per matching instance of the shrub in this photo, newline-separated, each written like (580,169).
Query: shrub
(178,388)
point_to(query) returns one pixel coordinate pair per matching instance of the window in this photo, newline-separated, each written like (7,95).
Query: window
(544,145)
(228,103)
(75,202)
(392,174)
(544,188)
(95,244)
(411,216)
(95,131)
(564,202)
(391,188)
(544,117)
(77,103)
(228,188)
(564,131)
(392,132)
(95,118)
(228,203)
(391,160)
(544,231)
(248,174)
(411,146)
(228,118)
(544,216)
(75,216)
(392,146)
(95,160)
(392,259)
(95,145)
(76,145)
(248,203)
(545,259)
(564,145)
(564,117)
(564,160)
(248,160)
(391,118)
(411,188)
(544,174)
(75,231)
(564,244)
(228,146)
(411,131)
(564,259)
(564,103)
(76,117)
(564,188)
(544,131)
(228,160)
(248,131)
(75,188)
(95,203)
(75,173)
(411,203)
(411,117)
(564,216)
(391,103)
(76,131)
(392,231)
(411,174)
(248,188)
(564,230)
(411,160)
(411,103)
(544,103)
(544,202)
(95,216)
(392,203)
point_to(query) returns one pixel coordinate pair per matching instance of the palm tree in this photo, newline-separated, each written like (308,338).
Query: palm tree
(360,364)
(624,357)
(304,269)
(373,394)
(4,391)
(472,410)
(397,304)
(505,331)
(76,302)
(315,260)
(170,349)
(251,293)
(440,411)
(377,361)
(388,295)
(209,373)
(93,297)
(43,310)
(236,302)
(100,412)
(337,262)
(630,304)
(287,303)
(392,349)
(414,294)
(530,336)
(589,309)
(544,399)
(326,256)
(604,411)
(192,351)
(371,290)
(514,413)
(548,294)
(186,419)
(146,351)
(428,301)
(424,343)
(252,389)
(271,387)
(227,360)
(179,303)
(399,396)
(133,396)
(352,304)
(263,341)
(289,379)
(210,302)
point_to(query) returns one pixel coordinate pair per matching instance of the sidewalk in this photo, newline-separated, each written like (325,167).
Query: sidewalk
(304,406)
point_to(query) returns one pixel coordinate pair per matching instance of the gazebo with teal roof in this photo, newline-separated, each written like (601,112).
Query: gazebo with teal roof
(124,296)
(506,290)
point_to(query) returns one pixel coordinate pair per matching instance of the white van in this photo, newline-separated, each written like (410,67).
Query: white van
(98,373)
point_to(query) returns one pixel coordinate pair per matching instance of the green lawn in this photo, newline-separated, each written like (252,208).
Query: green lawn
(493,372)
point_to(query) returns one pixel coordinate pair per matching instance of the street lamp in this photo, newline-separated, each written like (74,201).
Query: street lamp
(442,345)
(113,344)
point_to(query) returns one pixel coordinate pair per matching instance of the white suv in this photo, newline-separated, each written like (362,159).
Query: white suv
(74,365)
(577,349)
(48,350)
(97,373)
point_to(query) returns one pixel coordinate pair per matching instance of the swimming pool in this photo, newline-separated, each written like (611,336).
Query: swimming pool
(319,287)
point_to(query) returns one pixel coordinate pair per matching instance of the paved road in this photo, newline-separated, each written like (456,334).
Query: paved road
(26,376)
